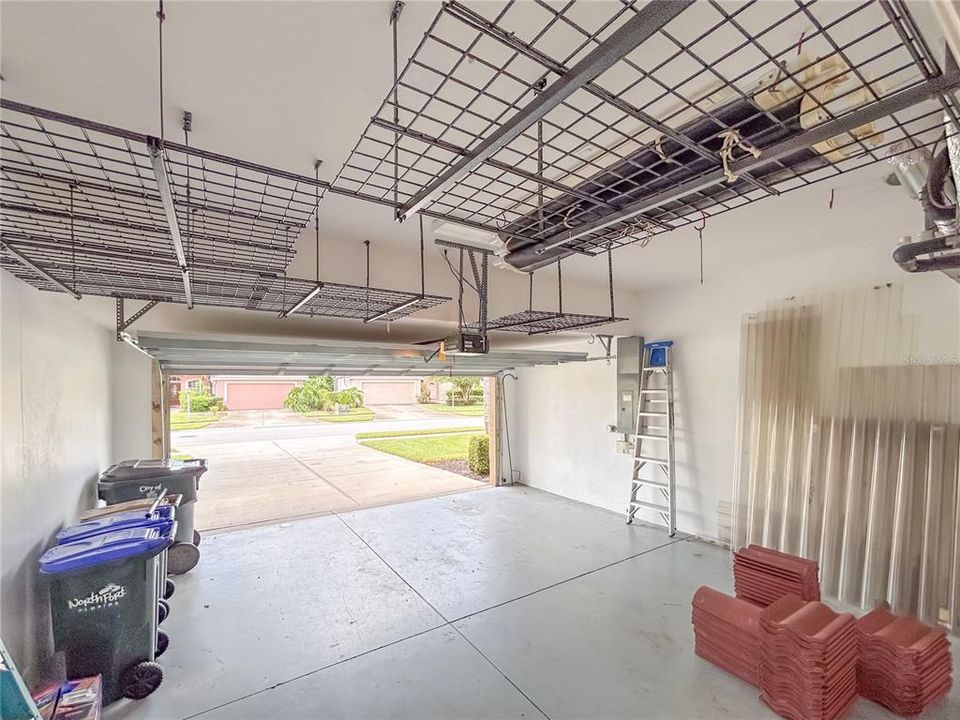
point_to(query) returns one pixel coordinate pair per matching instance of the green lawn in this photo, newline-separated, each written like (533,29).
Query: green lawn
(179,420)
(426,448)
(462,410)
(405,433)
(360,414)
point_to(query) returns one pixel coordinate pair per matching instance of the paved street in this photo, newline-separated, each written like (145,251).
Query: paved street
(186,440)
(272,473)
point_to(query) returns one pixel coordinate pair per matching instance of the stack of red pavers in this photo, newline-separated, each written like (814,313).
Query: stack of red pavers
(727,632)
(763,576)
(808,659)
(904,665)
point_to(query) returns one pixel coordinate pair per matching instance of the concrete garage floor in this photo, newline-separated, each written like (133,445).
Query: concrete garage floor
(261,481)
(507,603)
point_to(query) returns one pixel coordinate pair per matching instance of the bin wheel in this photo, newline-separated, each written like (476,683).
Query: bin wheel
(168,587)
(141,679)
(162,641)
(182,558)
(196,537)
(163,610)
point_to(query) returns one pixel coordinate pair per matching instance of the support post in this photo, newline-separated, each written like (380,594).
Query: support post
(157,159)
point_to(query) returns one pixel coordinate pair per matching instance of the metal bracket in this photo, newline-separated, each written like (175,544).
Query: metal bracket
(124,323)
(479,274)
(607,342)
(28,263)
(158,159)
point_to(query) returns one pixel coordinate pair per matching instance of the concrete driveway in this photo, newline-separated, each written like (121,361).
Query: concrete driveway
(267,480)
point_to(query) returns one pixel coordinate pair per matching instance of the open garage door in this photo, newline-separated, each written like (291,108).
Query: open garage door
(186,355)
(420,426)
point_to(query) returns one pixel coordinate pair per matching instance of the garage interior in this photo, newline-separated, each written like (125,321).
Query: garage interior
(706,256)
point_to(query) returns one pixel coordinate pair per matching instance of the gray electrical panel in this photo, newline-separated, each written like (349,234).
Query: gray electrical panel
(629,361)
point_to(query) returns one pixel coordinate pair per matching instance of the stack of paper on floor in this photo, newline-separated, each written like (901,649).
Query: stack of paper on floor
(727,632)
(808,659)
(904,665)
(762,575)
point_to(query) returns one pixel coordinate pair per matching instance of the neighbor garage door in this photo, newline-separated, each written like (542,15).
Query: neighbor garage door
(255,396)
(389,393)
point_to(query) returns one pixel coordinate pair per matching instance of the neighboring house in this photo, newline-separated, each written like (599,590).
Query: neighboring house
(261,392)
(383,390)
(267,392)
(183,382)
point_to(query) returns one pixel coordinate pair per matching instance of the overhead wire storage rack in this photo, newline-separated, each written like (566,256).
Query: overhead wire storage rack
(92,209)
(565,128)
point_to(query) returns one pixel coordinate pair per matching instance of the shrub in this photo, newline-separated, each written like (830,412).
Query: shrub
(313,395)
(478,454)
(351,397)
(200,401)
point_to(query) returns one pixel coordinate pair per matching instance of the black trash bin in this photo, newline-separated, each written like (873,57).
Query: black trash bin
(137,479)
(103,603)
(160,517)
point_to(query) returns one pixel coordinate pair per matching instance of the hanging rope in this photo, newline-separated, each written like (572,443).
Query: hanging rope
(640,226)
(732,140)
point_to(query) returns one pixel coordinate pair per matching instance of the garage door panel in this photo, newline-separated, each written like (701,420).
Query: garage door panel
(388,393)
(256,396)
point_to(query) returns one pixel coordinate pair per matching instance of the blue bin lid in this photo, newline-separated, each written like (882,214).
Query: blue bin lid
(161,518)
(103,548)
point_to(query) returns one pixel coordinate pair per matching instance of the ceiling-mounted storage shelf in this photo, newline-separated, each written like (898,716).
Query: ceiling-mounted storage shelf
(83,210)
(552,127)
(542,322)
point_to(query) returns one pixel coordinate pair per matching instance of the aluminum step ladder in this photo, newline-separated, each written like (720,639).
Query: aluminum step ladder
(653,440)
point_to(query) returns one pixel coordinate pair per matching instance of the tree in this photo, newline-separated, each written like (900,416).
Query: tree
(465,386)
(314,394)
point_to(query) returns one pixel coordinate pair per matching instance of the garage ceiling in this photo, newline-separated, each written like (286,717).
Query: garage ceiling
(184,355)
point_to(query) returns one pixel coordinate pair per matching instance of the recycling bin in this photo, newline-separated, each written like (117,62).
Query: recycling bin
(103,600)
(156,515)
(139,479)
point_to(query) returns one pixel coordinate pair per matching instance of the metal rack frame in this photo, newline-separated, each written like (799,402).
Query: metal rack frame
(92,209)
(633,116)
(559,130)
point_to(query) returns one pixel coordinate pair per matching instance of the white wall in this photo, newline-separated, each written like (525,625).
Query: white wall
(131,398)
(55,431)
(558,419)
(560,412)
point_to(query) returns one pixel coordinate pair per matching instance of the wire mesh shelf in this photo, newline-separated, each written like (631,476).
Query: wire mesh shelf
(722,104)
(82,203)
(159,279)
(541,322)
(65,177)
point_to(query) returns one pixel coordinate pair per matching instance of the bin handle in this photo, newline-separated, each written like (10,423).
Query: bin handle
(160,496)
